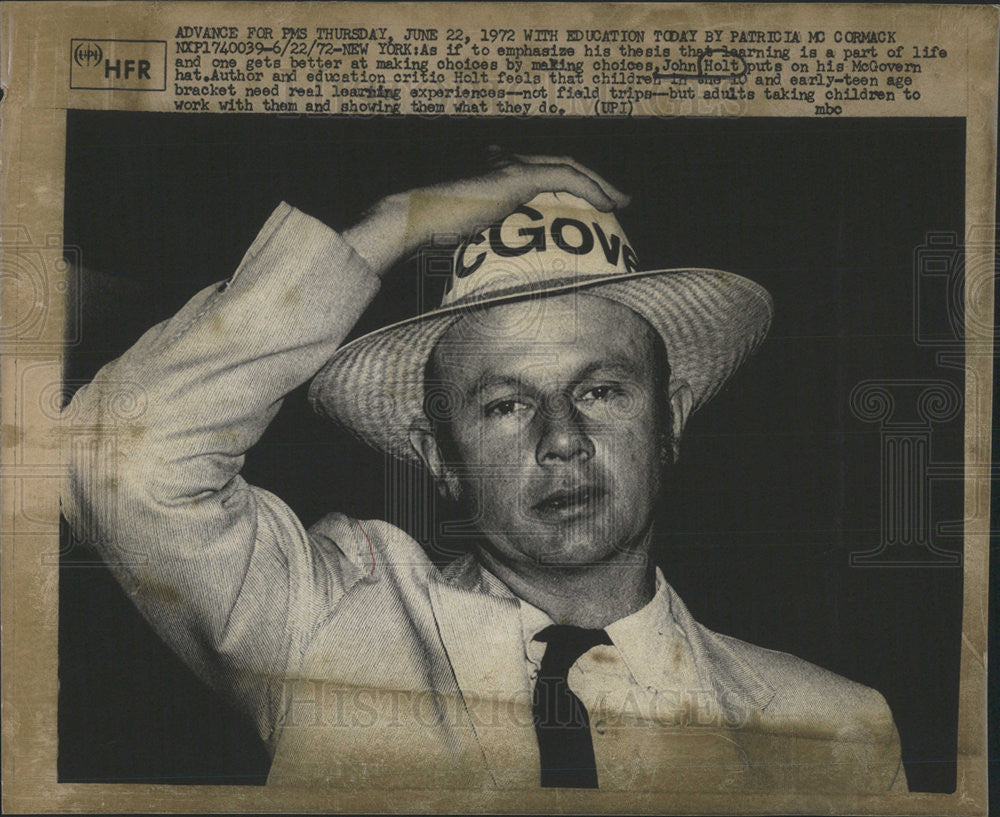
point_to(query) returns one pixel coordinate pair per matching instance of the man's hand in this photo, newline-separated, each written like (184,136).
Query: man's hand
(400,223)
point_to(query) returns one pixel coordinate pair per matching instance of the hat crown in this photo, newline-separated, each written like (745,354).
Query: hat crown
(555,238)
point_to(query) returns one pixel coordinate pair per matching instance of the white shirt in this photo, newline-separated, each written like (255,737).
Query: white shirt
(643,684)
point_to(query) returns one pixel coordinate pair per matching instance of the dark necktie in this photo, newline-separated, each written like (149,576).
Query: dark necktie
(561,721)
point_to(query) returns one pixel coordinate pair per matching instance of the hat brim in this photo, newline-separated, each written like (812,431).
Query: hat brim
(710,322)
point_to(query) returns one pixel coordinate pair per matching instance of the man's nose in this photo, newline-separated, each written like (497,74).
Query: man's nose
(563,435)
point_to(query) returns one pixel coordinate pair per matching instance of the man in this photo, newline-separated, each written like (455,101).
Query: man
(546,395)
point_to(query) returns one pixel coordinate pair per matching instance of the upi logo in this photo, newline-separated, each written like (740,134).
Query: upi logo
(87,54)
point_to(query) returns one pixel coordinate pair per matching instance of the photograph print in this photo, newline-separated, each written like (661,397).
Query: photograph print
(495,453)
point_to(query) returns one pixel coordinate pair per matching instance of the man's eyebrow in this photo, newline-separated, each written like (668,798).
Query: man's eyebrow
(618,364)
(489,380)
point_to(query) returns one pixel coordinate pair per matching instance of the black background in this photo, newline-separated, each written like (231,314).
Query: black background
(778,484)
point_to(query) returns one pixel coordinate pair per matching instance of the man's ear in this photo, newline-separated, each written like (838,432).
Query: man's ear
(426,446)
(681,401)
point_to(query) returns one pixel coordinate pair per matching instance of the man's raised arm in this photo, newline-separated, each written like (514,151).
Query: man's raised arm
(224,571)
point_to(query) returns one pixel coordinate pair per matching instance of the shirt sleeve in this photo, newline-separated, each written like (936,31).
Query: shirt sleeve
(223,571)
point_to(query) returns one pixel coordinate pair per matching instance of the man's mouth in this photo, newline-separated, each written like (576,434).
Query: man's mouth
(567,502)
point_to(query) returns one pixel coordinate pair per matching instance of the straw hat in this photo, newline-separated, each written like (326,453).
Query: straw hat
(556,244)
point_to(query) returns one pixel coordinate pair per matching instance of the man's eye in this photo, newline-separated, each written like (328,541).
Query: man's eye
(505,408)
(600,393)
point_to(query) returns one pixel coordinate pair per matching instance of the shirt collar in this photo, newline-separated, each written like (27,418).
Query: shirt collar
(652,645)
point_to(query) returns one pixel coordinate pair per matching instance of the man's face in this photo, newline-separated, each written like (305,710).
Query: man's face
(555,437)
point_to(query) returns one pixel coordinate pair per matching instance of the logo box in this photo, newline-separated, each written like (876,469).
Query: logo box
(118,65)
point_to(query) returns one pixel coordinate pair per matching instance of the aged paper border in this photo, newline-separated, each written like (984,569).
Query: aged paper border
(35,37)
